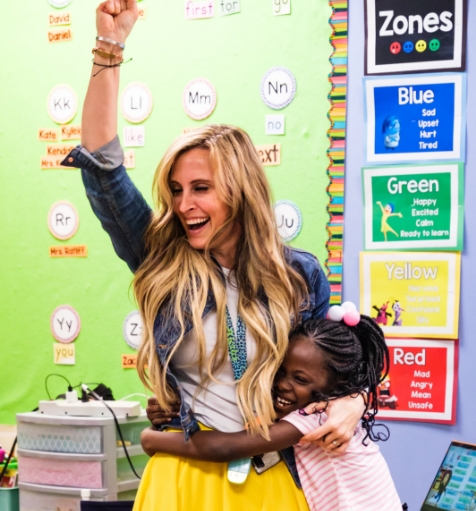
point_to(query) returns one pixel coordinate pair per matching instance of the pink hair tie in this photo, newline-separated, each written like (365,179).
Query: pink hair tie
(347,312)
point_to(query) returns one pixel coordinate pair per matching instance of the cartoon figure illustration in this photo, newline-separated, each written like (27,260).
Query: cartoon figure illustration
(397,308)
(391,131)
(385,396)
(387,212)
(472,504)
(382,314)
(442,483)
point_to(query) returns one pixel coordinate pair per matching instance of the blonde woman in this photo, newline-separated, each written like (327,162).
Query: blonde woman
(217,289)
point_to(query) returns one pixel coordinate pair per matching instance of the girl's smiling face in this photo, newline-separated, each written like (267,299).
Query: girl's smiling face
(303,373)
(197,205)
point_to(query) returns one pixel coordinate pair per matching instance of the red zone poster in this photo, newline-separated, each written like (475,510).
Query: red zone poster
(422,381)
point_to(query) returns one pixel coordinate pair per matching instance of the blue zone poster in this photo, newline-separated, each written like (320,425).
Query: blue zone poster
(412,119)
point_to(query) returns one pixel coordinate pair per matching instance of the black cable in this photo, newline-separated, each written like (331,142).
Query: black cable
(118,427)
(87,383)
(70,388)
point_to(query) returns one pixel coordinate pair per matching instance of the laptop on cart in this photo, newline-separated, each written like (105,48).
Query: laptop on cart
(454,487)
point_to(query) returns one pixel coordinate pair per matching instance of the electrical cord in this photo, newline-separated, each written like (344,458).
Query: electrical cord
(85,390)
(132,395)
(70,388)
(87,383)
(98,398)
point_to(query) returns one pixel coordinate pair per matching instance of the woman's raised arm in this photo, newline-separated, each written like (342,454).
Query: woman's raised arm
(114,22)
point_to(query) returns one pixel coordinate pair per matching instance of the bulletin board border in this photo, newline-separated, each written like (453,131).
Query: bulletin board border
(336,152)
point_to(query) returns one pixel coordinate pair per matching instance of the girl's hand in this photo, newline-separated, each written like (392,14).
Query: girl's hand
(157,416)
(115,19)
(336,433)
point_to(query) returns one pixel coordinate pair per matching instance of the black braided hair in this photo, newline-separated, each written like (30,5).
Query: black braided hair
(357,358)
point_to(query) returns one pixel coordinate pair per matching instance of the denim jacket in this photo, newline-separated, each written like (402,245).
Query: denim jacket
(125,215)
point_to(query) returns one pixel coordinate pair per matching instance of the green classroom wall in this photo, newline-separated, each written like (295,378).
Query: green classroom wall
(233,53)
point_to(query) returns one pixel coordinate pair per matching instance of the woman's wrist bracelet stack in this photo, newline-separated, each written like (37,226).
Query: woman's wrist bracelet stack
(108,54)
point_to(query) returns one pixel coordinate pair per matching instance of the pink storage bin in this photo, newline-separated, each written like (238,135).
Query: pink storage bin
(76,474)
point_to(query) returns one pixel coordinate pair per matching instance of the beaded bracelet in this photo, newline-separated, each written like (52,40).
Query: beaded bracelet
(111,41)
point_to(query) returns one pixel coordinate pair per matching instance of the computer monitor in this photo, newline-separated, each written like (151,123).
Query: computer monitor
(454,487)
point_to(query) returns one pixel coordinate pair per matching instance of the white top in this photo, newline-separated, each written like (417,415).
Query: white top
(216,406)
(356,480)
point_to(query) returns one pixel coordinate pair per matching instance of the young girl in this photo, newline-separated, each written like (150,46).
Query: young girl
(325,360)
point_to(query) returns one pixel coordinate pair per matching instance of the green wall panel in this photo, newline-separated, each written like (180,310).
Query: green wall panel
(232,52)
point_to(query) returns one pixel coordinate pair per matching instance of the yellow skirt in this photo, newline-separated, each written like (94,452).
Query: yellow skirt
(172,483)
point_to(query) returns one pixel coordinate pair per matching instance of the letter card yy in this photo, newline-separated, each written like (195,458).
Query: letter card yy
(414,207)
(412,294)
(414,36)
(419,118)
(421,384)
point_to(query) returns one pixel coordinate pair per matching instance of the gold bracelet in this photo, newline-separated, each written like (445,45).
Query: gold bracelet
(106,54)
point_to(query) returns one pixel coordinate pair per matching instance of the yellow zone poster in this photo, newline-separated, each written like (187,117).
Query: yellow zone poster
(412,294)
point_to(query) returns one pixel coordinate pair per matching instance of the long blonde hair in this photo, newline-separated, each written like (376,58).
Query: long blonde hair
(177,278)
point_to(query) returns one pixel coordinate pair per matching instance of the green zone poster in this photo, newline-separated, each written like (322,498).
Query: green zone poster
(414,207)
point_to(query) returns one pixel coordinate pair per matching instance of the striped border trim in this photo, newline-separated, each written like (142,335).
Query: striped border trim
(336,151)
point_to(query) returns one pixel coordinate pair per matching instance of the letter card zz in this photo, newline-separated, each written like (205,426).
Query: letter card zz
(414,36)
(412,294)
(421,383)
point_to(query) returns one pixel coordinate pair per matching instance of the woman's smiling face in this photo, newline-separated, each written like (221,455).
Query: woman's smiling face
(302,374)
(197,205)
